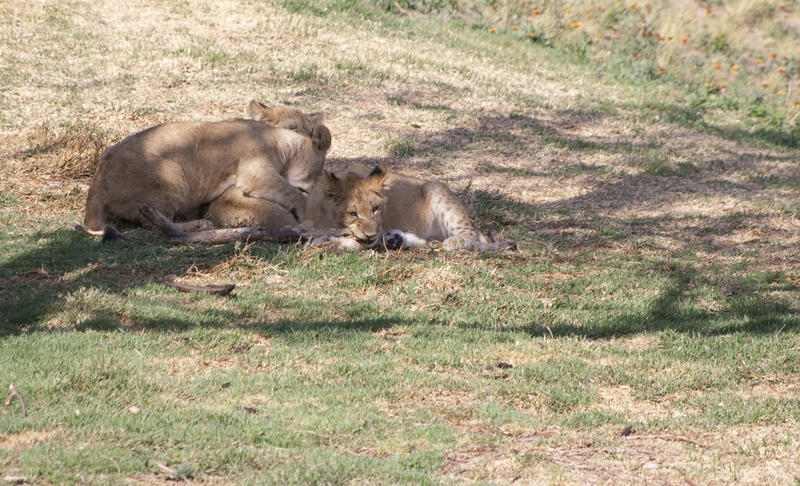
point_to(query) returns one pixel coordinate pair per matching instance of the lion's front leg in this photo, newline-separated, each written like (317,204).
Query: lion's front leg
(400,240)
(260,181)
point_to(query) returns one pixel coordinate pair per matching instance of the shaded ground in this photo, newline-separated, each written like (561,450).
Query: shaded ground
(602,193)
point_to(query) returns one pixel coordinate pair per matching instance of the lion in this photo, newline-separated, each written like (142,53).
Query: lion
(383,208)
(276,155)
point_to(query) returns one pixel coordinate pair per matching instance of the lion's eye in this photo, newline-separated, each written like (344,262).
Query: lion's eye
(375,209)
(352,214)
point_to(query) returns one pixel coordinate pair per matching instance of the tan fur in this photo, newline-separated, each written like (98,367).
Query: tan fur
(178,167)
(234,209)
(373,204)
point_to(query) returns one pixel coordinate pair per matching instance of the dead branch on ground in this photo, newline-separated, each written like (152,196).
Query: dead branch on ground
(209,289)
(15,393)
(168,228)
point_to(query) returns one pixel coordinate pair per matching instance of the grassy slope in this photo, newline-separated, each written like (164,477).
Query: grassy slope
(656,286)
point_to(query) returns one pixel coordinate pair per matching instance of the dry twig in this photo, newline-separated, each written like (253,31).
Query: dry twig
(668,437)
(166,469)
(209,289)
(401,9)
(15,393)
(115,463)
(276,235)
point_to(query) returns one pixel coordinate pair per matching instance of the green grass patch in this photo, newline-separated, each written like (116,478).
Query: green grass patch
(653,290)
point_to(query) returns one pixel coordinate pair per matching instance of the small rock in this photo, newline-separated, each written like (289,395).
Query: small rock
(135,410)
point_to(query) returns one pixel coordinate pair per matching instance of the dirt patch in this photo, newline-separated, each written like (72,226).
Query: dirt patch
(780,387)
(667,457)
(26,439)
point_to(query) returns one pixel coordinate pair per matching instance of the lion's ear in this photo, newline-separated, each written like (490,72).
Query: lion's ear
(261,112)
(321,137)
(378,176)
(329,184)
(316,117)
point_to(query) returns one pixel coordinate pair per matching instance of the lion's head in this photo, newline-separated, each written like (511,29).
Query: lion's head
(308,124)
(357,202)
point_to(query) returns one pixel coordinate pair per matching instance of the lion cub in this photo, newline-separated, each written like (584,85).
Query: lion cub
(176,168)
(388,208)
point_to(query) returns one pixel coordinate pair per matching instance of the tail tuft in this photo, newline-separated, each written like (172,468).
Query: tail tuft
(80,227)
(110,233)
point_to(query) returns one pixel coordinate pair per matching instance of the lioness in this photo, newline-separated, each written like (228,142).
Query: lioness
(178,167)
(381,207)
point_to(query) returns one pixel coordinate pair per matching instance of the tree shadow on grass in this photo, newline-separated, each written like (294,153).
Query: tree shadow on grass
(604,216)
(37,282)
(226,320)
(693,118)
(66,266)
(742,311)
(743,299)
(655,176)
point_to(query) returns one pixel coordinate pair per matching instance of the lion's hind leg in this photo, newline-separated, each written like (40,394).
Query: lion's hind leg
(235,209)
(451,220)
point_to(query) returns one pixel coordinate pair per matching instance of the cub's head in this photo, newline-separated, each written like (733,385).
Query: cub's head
(308,124)
(357,201)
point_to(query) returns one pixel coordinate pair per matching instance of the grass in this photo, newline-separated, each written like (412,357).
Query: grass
(645,331)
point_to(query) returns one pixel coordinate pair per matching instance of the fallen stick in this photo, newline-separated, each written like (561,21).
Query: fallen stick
(209,289)
(166,469)
(167,227)
(15,393)
(401,9)
(668,437)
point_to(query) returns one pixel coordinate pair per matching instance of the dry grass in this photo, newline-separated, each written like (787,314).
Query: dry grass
(25,439)
(684,457)
(71,154)
(561,172)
